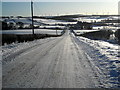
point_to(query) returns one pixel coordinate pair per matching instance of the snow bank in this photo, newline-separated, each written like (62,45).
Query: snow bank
(105,48)
(9,49)
(107,58)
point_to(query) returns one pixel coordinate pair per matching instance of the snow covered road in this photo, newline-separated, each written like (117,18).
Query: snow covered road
(57,63)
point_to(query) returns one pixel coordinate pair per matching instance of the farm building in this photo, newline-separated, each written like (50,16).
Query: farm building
(18,23)
(83,25)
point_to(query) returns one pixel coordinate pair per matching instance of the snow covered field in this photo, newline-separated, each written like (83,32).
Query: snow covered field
(96,18)
(29,31)
(45,26)
(50,21)
(78,32)
(105,27)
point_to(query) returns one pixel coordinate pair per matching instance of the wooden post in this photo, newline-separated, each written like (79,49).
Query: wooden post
(32,17)
(56,32)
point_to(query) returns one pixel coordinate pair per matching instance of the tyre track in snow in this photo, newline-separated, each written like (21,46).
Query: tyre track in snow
(55,64)
(6,59)
(22,64)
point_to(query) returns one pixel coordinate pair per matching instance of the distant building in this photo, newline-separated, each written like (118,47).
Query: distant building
(16,23)
(10,23)
(82,25)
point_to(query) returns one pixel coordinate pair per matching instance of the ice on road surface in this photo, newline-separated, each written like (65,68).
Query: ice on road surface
(61,62)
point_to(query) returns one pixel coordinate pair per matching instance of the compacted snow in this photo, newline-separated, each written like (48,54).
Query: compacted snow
(61,62)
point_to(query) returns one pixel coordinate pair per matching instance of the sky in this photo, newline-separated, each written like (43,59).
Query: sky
(58,8)
(60,0)
(119,8)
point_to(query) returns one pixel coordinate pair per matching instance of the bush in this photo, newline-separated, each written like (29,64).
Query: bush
(9,38)
(4,25)
(103,34)
(117,35)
